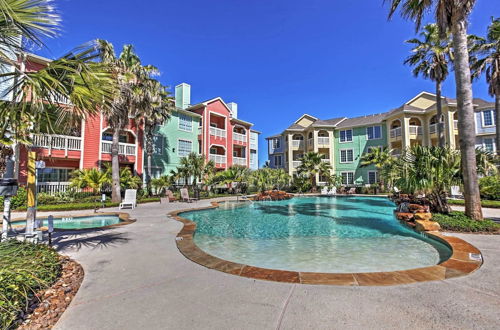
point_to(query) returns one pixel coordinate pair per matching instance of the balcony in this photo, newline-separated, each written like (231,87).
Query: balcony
(415,130)
(296,163)
(239,161)
(238,137)
(59,142)
(323,141)
(126,149)
(298,144)
(455,124)
(395,133)
(218,132)
(218,159)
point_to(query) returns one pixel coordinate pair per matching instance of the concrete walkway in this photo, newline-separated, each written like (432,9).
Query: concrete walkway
(135,278)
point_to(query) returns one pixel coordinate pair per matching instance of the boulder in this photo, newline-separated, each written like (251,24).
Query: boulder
(426,225)
(423,216)
(417,208)
(404,216)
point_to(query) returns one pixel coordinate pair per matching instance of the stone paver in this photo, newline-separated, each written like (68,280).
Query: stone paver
(136,278)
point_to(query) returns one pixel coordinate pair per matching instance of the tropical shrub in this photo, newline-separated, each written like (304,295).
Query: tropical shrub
(311,164)
(490,187)
(458,221)
(25,268)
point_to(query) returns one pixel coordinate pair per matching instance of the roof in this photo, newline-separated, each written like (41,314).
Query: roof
(255,131)
(482,104)
(404,107)
(241,121)
(328,122)
(296,127)
(273,136)
(363,120)
(194,114)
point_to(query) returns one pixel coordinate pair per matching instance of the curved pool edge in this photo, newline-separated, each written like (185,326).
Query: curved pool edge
(459,264)
(125,219)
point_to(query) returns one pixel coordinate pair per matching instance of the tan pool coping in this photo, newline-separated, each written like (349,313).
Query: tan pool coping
(125,219)
(459,264)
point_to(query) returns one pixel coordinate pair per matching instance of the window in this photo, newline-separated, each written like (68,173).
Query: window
(488,117)
(278,161)
(346,136)
(109,137)
(347,178)
(156,172)
(372,177)
(374,132)
(276,143)
(184,148)
(346,156)
(488,144)
(158,144)
(185,122)
(50,174)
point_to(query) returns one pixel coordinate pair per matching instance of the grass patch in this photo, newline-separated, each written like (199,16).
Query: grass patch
(458,221)
(25,268)
(84,206)
(484,203)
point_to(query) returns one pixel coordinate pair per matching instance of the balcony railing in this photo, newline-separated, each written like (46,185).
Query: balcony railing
(238,137)
(239,161)
(325,160)
(218,132)
(218,159)
(323,140)
(60,142)
(296,163)
(415,130)
(298,143)
(310,142)
(455,124)
(395,132)
(127,149)
(52,187)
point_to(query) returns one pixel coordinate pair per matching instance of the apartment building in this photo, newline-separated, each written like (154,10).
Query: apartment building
(342,141)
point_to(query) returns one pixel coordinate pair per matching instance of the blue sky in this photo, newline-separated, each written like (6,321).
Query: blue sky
(276,59)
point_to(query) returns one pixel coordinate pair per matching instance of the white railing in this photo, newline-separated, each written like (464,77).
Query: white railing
(52,187)
(395,132)
(238,137)
(298,143)
(433,128)
(218,159)
(239,161)
(296,163)
(123,148)
(455,124)
(396,152)
(415,130)
(310,142)
(60,142)
(218,132)
(323,140)
(325,160)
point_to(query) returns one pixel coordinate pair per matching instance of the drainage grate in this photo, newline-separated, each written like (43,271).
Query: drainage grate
(475,256)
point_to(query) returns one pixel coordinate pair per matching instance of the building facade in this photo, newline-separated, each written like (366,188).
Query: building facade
(342,141)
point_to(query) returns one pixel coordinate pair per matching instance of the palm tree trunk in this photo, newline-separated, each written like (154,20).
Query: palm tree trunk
(148,174)
(116,196)
(439,114)
(466,127)
(497,122)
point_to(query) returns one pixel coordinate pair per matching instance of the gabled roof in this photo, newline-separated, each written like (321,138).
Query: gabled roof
(363,120)
(241,121)
(404,108)
(205,103)
(190,113)
(306,115)
(328,122)
(273,136)
(295,127)
(482,104)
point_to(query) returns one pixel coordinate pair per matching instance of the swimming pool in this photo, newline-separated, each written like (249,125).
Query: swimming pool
(79,222)
(315,234)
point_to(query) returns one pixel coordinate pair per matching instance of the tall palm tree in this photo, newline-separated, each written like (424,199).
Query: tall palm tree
(312,164)
(452,16)
(92,178)
(430,57)
(383,160)
(490,63)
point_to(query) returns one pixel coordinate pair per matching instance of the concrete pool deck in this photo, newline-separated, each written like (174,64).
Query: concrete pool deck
(135,277)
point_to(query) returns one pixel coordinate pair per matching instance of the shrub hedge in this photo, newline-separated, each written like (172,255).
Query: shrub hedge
(25,268)
(84,205)
(458,221)
(484,203)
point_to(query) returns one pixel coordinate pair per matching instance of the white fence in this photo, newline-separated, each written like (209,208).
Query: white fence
(218,132)
(59,142)
(238,137)
(239,161)
(123,148)
(218,159)
(323,140)
(52,187)
(298,143)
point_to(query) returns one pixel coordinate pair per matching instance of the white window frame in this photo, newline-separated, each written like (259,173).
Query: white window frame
(376,177)
(190,120)
(347,177)
(340,156)
(340,136)
(492,144)
(492,118)
(376,138)
(178,147)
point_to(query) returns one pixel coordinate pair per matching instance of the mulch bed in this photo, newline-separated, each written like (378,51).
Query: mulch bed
(48,305)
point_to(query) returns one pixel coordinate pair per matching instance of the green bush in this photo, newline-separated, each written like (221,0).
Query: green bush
(458,221)
(84,205)
(484,203)
(24,269)
(490,187)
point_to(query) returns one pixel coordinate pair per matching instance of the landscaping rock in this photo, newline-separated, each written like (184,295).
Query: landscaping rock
(417,208)
(426,225)
(404,216)
(423,216)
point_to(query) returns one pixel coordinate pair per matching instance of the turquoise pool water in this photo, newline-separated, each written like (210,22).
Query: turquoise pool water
(79,222)
(315,234)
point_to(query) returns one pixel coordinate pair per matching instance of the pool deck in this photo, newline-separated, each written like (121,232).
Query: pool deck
(135,277)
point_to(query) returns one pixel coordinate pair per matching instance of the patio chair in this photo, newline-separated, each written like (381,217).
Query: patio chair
(332,191)
(185,196)
(342,190)
(455,192)
(130,199)
(324,191)
(170,196)
(351,191)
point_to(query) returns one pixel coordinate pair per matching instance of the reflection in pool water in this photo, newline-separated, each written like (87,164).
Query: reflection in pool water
(315,234)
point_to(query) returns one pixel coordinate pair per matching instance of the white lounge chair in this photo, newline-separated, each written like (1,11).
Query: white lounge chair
(185,196)
(455,192)
(130,199)
(324,191)
(332,191)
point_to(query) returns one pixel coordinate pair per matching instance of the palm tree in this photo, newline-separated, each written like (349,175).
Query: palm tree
(452,16)
(490,63)
(92,178)
(162,183)
(311,164)
(430,59)
(383,160)
(262,179)
(235,174)
(279,177)
(486,162)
